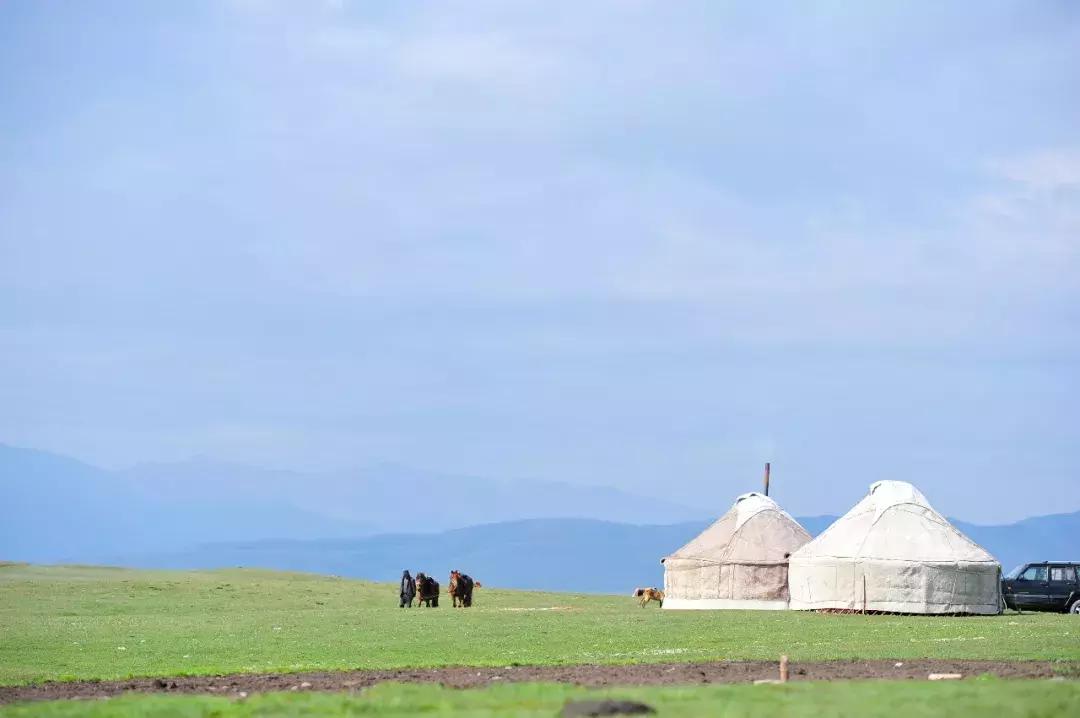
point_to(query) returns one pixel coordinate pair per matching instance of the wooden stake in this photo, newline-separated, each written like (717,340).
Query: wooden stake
(783,669)
(766,478)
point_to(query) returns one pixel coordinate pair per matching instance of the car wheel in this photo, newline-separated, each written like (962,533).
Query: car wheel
(1075,607)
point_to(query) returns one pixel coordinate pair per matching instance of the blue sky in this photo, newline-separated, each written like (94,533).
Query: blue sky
(623,243)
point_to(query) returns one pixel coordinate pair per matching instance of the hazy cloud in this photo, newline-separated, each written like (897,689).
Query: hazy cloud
(615,243)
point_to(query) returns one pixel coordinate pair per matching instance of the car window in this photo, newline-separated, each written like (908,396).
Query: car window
(1062,573)
(1015,572)
(1034,573)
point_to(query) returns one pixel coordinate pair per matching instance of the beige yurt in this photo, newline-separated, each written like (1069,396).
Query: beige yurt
(894,553)
(741,561)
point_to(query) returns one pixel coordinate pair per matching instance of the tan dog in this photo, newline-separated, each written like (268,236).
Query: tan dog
(649,594)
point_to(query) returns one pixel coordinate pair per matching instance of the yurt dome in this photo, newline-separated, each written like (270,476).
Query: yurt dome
(740,561)
(894,553)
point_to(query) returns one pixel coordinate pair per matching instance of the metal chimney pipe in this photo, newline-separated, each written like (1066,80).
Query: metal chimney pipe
(766,478)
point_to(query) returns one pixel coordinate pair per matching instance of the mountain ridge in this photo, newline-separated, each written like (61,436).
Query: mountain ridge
(61,509)
(564,554)
(204,514)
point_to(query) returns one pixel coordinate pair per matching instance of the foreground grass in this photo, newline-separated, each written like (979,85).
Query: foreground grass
(83,623)
(1002,699)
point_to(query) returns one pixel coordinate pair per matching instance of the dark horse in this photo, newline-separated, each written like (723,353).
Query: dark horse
(461,589)
(427,591)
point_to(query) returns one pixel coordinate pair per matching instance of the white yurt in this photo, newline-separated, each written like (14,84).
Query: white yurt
(894,553)
(740,561)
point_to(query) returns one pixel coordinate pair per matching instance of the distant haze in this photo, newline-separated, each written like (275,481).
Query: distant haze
(563,554)
(374,522)
(58,509)
(639,245)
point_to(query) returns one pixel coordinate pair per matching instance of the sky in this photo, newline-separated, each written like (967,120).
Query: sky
(633,243)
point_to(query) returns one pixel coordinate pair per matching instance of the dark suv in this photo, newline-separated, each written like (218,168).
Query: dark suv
(1046,586)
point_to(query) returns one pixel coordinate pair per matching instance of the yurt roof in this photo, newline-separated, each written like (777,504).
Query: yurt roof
(894,521)
(754,529)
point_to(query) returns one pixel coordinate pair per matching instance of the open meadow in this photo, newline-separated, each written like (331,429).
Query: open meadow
(1002,699)
(85,623)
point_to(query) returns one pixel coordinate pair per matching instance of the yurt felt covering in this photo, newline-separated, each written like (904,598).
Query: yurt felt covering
(740,561)
(892,552)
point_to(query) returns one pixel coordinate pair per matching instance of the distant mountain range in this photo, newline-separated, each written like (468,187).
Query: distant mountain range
(375,522)
(59,509)
(558,554)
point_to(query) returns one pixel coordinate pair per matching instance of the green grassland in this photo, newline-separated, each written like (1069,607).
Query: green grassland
(1002,699)
(100,623)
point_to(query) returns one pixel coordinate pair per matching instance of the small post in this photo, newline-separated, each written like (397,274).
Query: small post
(783,669)
(766,478)
(864,594)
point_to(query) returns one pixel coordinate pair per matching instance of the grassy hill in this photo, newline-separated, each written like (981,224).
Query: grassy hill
(78,622)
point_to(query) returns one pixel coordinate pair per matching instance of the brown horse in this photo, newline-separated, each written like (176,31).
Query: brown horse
(427,591)
(461,589)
